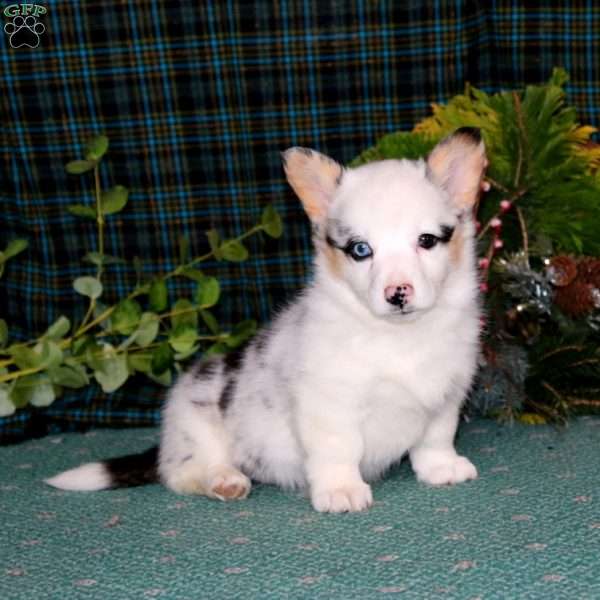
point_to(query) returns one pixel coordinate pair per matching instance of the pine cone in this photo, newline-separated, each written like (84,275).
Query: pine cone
(588,270)
(577,299)
(562,270)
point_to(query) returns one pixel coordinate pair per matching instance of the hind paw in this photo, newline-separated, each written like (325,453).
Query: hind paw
(222,482)
(229,484)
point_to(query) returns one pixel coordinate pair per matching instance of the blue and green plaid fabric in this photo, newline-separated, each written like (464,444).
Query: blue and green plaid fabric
(198,99)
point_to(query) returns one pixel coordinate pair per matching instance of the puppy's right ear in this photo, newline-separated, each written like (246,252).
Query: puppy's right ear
(314,177)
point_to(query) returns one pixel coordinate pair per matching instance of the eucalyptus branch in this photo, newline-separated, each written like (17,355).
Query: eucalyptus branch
(100,223)
(139,332)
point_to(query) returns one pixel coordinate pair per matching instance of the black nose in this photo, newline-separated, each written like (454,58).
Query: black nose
(398,298)
(399,295)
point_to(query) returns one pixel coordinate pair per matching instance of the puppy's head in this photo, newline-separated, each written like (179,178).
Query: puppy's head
(394,230)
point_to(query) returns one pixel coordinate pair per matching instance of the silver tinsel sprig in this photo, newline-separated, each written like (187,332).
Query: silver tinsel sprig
(529,288)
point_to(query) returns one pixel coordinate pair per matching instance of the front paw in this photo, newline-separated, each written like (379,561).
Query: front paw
(344,498)
(451,470)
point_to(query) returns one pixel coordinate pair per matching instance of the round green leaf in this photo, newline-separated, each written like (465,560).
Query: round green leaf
(96,148)
(162,359)
(81,210)
(216,348)
(80,344)
(77,167)
(183,338)
(15,247)
(208,292)
(184,312)
(214,242)
(99,310)
(189,352)
(113,372)
(42,394)
(36,390)
(7,408)
(88,286)
(158,295)
(210,321)
(94,354)
(234,251)
(125,317)
(71,376)
(45,354)
(271,222)
(147,330)
(58,329)
(193,274)
(240,333)
(24,357)
(3,333)
(140,362)
(114,199)
(165,378)
(50,353)
(103,259)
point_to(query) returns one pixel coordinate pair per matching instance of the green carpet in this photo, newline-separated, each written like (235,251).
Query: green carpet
(528,528)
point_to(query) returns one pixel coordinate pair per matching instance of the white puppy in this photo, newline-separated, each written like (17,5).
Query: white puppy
(372,361)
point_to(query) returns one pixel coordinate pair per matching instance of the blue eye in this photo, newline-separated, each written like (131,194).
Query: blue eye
(359,250)
(428,241)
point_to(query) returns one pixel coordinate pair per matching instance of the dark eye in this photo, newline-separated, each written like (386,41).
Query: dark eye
(428,241)
(359,250)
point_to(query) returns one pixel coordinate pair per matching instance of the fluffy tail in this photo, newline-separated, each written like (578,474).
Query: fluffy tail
(124,471)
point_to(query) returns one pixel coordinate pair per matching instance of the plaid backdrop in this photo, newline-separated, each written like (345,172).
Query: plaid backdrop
(198,99)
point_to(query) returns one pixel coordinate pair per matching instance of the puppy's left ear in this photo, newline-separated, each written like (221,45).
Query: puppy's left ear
(314,177)
(457,165)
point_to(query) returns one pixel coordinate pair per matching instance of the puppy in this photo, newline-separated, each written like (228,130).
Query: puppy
(372,361)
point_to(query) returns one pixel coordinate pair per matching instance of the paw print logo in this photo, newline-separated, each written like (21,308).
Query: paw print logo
(24,31)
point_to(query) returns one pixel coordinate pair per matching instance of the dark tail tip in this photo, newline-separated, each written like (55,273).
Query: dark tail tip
(134,469)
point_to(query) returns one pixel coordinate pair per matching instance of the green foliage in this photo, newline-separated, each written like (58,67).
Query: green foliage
(208,292)
(234,251)
(138,333)
(113,200)
(271,222)
(96,148)
(58,329)
(564,376)
(158,295)
(14,247)
(81,210)
(88,286)
(77,167)
(3,333)
(401,144)
(539,365)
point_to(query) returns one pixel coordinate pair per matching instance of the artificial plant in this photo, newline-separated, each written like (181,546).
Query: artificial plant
(140,333)
(540,214)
